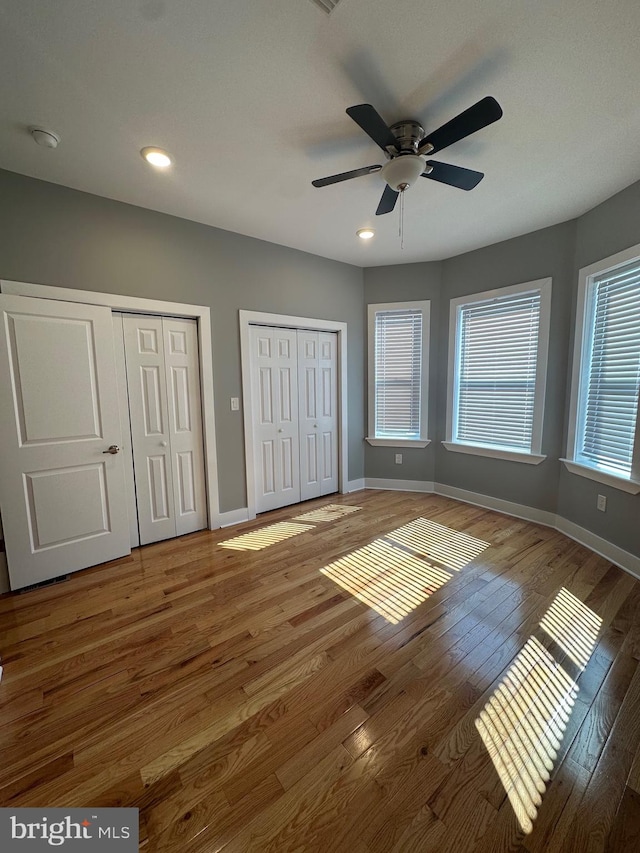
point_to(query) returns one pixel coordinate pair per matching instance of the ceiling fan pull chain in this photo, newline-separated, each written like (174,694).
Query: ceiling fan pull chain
(402,220)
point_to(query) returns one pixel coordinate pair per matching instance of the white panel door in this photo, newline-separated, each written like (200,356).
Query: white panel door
(274,389)
(185,423)
(317,395)
(62,495)
(328,411)
(308,414)
(125,426)
(150,432)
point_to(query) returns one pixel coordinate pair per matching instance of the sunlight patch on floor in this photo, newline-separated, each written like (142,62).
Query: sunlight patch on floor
(328,513)
(573,626)
(256,540)
(387,579)
(523,723)
(450,548)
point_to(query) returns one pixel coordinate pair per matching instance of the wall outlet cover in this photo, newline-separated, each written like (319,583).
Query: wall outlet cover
(602,503)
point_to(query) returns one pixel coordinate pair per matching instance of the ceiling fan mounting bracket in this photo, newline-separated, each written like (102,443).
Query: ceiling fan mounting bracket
(409,134)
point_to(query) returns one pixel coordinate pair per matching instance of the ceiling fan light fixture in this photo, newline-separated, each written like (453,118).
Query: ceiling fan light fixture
(365,233)
(403,171)
(156,157)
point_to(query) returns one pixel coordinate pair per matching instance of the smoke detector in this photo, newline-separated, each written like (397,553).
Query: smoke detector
(44,137)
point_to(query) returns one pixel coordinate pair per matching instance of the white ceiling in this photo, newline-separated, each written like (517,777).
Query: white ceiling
(250,96)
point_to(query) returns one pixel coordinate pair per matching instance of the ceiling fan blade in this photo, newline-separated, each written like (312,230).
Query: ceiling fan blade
(388,200)
(480,115)
(345,176)
(454,176)
(373,125)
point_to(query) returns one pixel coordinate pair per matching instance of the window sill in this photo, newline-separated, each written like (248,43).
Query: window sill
(495,453)
(398,442)
(630,486)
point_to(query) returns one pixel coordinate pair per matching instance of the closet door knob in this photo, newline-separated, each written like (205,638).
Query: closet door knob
(163,444)
(112,449)
(280,430)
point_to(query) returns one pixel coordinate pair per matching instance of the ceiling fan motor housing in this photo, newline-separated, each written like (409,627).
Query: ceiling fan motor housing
(403,171)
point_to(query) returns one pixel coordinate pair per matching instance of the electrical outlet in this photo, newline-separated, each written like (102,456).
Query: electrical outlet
(235,404)
(398,458)
(602,503)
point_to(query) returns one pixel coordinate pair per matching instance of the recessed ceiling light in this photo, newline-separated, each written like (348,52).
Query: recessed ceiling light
(157,157)
(365,233)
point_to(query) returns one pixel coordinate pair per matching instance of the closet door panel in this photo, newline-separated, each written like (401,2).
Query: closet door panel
(182,377)
(274,389)
(126,449)
(328,411)
(150,432)
(308,414)
(158,488)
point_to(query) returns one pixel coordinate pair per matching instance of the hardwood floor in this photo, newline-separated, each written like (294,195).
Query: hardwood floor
(359,682)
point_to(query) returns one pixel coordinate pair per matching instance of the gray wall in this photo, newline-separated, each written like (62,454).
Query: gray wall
(58,236)
(53,235)
(610,227)
(545,253)
(559,251)
(538,255)
(403,284)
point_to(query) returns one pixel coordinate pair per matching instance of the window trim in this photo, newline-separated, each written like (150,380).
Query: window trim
(586,275)
(372,309)
(535,456)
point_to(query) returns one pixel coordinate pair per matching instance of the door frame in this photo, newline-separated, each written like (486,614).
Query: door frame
(262,318)
(139,305)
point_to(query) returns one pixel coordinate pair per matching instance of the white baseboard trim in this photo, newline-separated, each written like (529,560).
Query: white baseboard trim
(398,485)
(624,559)
(528,513)
(233,516)
(629,562)
(355,485)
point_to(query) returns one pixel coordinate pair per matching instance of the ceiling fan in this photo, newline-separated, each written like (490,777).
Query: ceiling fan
(406,147)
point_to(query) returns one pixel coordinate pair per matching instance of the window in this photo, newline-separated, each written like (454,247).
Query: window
(398,373)
(603,440)
(497,371)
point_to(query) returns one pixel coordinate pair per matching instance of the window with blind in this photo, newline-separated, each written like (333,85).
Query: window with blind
(609,373)
(497,370)
(398,358)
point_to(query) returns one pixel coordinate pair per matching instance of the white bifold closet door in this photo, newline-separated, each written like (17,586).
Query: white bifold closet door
(163,384)
(294,399)
(318,402)
(274,391)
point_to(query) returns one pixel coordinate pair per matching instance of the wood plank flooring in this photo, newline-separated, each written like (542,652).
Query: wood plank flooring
(467,682)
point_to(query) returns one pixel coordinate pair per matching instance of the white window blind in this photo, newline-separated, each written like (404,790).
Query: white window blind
(398,368)
(497,349)
(610,371)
